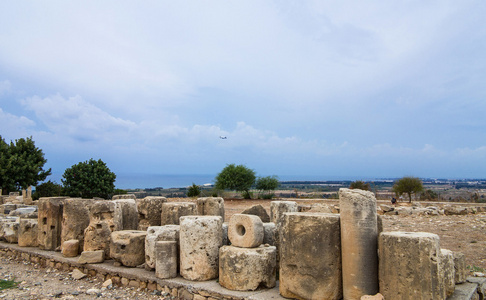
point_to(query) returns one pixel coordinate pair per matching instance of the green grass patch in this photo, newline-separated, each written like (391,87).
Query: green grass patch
(7,284)
(475,269)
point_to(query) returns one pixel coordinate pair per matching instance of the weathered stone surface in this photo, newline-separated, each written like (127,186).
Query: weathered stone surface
(210,206)
(172,211)
(373,297)
(49,223)
(200,239)
(128,247)
(455,210)
(4,220)
(28,233)
(92,257)
(126,214)
(460,268)
(75,220)
(77,274)
(70,248)
(246,269)
(101,224)
(11,232)
(259,211)
(8,207)
(149,211)
(29,212)
(465,291)
(245,231)
(481,282)
(125,196)
(409,265)
(278,208)
(310,256)
(225,234)
(269,234)
(166,260)
(387,208)
(359,235)
(446,265)
(156,234)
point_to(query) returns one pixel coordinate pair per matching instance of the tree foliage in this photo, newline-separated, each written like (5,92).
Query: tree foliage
(21,164)
(265,184)
(89,179)
(47,189)
(239,178)
(359,184)
(407,185)
(193,191)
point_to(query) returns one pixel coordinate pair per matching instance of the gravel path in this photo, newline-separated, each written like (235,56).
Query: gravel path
(36,282)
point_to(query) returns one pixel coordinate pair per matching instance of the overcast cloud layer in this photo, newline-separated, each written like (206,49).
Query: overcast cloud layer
(370,89)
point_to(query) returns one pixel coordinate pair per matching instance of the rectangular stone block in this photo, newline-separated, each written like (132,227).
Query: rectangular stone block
(166,259)
(75,220)
(49,223)
(409,266)
(128,247)
(149,211)
(28,235)
(173,211)
(210,206)
(310,256)
(156,234)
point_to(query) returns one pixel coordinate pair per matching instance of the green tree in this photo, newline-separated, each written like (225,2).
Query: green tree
(89,179)
(47,189)
(359,184)
(429,195)
(22,164)
(265,184)
(407,185)
(193,191)
(239,178)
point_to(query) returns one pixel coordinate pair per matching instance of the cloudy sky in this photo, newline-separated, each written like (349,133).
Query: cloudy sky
(327,89)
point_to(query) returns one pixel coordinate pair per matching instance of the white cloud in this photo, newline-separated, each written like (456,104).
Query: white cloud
(13,127)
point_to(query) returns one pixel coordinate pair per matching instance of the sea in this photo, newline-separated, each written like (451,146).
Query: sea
(145,181)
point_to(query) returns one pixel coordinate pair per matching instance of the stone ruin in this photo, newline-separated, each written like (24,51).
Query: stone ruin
(319,254)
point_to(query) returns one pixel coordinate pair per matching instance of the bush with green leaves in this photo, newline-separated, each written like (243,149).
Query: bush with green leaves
(47,189)
(236,177)
(407,185)
(193,191)
(359,184)
(265,185)
(21,165)
(89,179)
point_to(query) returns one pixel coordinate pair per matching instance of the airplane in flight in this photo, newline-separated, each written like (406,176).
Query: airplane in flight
(222,137)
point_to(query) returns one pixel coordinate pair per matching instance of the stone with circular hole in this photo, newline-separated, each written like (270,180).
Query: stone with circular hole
(245,231)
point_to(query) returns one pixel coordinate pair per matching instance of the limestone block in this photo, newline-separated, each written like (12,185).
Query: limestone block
(11,232)
(75,219)
(446,265)
(278,208)
(28,233)
(70,248)
(156,234)
(149,211)
(310,256)
(210,206)
(460,268)
(92,257)
(8,207)
(3,221)
(409,265)
(126,196)
(126,214)
(49,223)
(257,210)
(246,269)
(166,259)
(269,234)
(29,212)
(101,224)
(200,239)
(128,247)
(359,237)
(481,282)
(172,211)
(245,231)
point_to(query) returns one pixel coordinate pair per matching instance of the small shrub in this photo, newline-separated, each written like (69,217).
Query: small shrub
(7,284)
(193,191)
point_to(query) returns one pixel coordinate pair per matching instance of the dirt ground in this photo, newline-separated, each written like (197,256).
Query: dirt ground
(465,233)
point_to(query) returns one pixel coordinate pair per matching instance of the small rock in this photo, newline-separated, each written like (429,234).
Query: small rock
(479,274)
(77,274)
(93,291)
(107,283)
